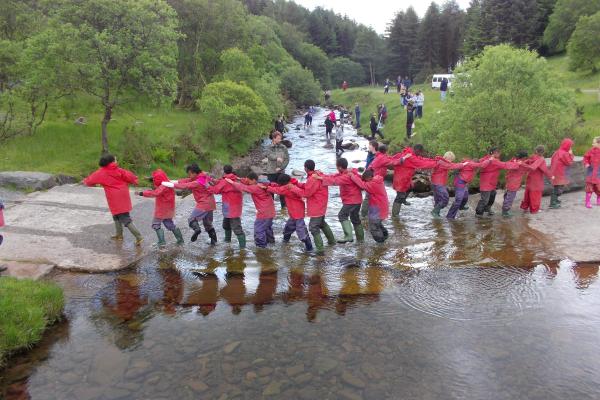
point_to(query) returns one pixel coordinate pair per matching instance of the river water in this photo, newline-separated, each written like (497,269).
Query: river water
(471,309)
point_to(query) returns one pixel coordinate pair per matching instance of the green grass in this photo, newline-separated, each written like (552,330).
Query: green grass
(395,129)
(27,308)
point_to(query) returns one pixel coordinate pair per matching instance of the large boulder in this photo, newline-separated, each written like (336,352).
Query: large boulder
(576,175)
(32,181)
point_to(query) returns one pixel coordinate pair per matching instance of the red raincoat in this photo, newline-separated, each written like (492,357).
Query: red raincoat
(164,206)
(316,194)
(332,116)
(489,174)
(350,193)
(263,201)
(537,169)
(377,194)
(205,201)
(380,164)
(294,203)
(404,170)
(467,173)
(115,182)
(439,176)
(514,177)
(560,163)
(591,162)
(231,198)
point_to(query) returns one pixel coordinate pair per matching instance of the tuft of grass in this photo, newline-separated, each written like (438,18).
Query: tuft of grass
(27,308)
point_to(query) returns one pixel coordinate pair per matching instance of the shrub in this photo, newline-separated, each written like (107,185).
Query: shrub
(584,45)
(299,85)
(344,69)
(137,149)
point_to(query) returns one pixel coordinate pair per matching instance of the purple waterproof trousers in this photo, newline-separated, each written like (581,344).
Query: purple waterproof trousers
(440,196)
(263,232)
(461,196)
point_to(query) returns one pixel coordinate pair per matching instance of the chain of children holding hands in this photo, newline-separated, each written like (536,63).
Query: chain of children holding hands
(310,198)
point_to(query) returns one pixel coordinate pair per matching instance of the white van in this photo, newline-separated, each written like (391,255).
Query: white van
(436,81)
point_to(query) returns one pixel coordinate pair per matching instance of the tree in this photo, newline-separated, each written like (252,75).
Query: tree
(121,50)
(474,31)
(298,84)
(240,116)
(563,20)
(428,39)
(584,46)
(315,59)
(402,43)
(369,51)
(344,69)
(510,21)
(452,20)
(502,98)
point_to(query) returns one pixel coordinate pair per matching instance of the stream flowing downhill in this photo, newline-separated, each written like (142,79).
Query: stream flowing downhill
(469,309)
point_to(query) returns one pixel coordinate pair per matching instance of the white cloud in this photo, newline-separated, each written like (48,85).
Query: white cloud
(374,13)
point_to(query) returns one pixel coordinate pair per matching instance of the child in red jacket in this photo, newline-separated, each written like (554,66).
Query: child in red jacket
(559,167)
(534,185)
(514,179)
(164,207)
(231,202)
(115,182)
(378,202)
(591,162)
(439,181)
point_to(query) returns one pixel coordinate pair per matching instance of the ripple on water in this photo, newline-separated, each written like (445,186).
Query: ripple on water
(481,294)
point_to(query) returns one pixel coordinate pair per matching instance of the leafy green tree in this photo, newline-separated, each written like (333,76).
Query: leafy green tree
(452,22)
(239,115)
(511,22)
(563,20)
(402,43)
(344,69)
(369,51)
(236,66)
(298,84)
(315,59)
(428,39)
(502,98)
(474,30)
(584,45)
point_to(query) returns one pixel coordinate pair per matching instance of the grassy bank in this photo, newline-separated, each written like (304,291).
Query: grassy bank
(27,308)
(395,129)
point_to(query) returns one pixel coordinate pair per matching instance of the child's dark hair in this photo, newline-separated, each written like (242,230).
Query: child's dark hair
(382,149)
(374,144)
(419,149)
(342,163)
(521,154)
(309,165)
(252,176)
(493,150)
(193,168)
(106,159)
(540,150)
(283,179)
(228,169)
(368,174)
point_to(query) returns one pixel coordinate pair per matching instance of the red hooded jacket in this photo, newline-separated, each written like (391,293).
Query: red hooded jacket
(295,203)
(591,162)
(537,169)
(231,198)
(263,201)
(514,177)
(115,182)
(350,193)
(380,164)
(489,173)
(164,205)
(316,194)
(205,201)
(467,173)
(404,169)
(378,199)
(560,163)
(439,176)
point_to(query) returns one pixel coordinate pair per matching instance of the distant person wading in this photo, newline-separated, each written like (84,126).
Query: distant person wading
(277,160)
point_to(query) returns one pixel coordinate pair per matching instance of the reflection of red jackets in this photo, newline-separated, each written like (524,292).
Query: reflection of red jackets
(316,194)
(514,177)
(115,182)
(439,176)
(294,203)
(380,164)
(591,162)
(350,193)
(489,174)
(205,201)
(263,201)
(404,169)
(537,170)
(467,173)
(164,205)
(560,162)
(231,198)
(378,199)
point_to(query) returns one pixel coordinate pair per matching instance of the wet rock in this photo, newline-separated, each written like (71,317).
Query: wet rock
(251,375)
(297,172)
(24,180)
(325,365)
(154,379)
(272,389)
(295,370)
(116,393)
(350,394)
(352,380)
(264,371)
(350,146)
(303,378)
(197,386)
(287,143)
(356,161)
(230,348)
(301,136)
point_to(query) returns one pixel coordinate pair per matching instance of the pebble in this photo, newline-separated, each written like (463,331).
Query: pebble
(69,378)
(305,377)
(264,371)
(197,386)
(272,389)
(350,395)
(325,365)
(352,380)
(230,348)
(251,375)
(295,370)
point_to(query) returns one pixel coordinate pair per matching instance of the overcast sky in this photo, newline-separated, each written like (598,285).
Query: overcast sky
(373,13)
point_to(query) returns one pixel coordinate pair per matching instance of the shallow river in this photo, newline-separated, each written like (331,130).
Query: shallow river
(473,309)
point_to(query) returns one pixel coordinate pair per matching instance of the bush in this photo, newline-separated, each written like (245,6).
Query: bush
(137,149)
(299,85)
(506,97)
(584,45)
(239,115)
(344,69)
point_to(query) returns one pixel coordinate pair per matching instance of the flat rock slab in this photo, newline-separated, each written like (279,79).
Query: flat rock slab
(25,180)
(26,270)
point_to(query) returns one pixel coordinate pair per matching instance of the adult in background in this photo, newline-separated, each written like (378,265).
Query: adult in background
(280,125)
(444,89)
(278,159)
(344,86)
(420,101)
(374,125)
(407,83)
(357,115)
(410,118)
(329,124)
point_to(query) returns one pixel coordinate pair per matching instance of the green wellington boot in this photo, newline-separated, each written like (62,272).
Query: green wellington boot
(318,242)
(347,228)
(161,237)
(135,232)
(119,231)
(227,236)
(396,209)
(328,234)
(242,240)
(178,236)
(554,201)
(506,214)
(435,212)
(360,233)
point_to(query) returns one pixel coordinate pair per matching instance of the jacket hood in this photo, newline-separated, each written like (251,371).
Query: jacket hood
(233,177)
(112,166)
(159,176)
(566,144)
